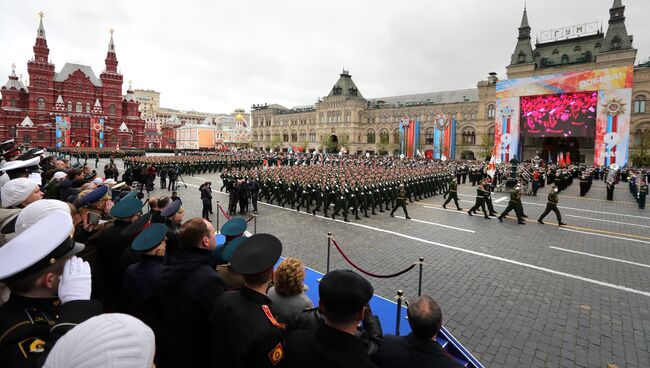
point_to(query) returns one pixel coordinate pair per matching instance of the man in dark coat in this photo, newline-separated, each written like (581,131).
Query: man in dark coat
(343,296)
(419,348)
(140,284)
(189,288)
(113,252)
(244,331)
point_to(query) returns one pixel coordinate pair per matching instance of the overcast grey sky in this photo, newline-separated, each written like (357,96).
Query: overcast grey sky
(216,56)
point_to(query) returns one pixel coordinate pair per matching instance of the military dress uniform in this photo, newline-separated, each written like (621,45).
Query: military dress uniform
(551,205)
(30,326)
(400,202)
(244,330)
(452,194)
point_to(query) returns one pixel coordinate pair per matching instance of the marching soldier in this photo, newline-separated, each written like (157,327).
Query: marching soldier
(514,203)
(400,202)
(551,205)
(452,193)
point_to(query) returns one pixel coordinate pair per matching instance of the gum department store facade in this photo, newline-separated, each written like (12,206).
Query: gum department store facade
(370,125)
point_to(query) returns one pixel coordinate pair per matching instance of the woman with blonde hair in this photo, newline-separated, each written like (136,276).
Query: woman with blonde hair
(288,293)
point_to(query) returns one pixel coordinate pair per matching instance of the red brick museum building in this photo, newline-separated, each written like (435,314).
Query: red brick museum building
(75,95)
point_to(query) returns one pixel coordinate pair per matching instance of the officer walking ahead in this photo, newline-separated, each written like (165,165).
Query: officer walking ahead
(452,193)
(400,201)
(551,205)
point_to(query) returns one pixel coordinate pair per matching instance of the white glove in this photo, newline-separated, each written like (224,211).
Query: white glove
(76,281)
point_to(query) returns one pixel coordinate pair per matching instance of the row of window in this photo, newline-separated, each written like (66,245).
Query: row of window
(79,107)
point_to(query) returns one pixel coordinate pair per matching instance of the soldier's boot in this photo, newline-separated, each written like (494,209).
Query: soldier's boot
(345,218)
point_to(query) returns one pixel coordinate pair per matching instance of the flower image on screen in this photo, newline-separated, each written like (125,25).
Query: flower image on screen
(561,115)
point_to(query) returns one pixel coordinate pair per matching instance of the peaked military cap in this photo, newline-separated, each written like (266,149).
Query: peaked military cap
(344,291)
(126,208)
(39,246)
(149,238)
(234,227)
(138,225)
(232,246)
(256,254)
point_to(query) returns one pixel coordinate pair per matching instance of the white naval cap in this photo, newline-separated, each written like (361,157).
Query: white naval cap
(37,211)
(39,246)
(15,191)
(20,164)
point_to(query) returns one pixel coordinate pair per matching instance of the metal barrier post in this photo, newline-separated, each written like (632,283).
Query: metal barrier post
(329,246)
(420,277)
(254,223)
(218,207)
(400,293)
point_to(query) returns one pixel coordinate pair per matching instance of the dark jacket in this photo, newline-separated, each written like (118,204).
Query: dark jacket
(325,347)
(140,298)
(114,255)
(188,289)
(24,321)
(242,334)
(409,351)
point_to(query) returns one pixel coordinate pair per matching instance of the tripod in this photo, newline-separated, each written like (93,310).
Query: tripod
(180,177)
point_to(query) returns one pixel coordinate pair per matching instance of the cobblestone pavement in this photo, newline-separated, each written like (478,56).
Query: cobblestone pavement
(515,296)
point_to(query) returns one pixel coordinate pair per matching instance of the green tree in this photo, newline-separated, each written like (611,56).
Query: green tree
(641,151)
(487,143)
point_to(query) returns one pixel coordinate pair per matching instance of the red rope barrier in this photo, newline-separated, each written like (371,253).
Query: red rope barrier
(224,213)
(370,273)
(250,219)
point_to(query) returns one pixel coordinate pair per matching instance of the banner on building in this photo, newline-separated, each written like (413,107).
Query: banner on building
(444,137)
(97,131)
(62,131)
(409,136)
(591,103)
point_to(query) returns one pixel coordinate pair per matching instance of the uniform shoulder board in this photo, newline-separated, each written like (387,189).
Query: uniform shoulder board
(269,315)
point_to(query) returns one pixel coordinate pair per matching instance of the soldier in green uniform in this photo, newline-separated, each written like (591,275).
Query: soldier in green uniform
(400,201)
(642,193)
(480,202)
(452,194)
(341,203)
(551,205)
(514,203)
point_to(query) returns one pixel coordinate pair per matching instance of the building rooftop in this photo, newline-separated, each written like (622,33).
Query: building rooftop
(431,98)
(70,68)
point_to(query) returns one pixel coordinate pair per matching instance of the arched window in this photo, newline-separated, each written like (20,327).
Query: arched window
(468,137)
(639,104)
(577,48)
(312,137)
(285,137)
(565,59)
(70,106)
(371,136)
(88,107)
(40,103)
(27,138)
(111,109)
(78,107)
(428,136)
(40,135)
(521,58)
(294,137)
(491,111)
(384,137)
(302,136)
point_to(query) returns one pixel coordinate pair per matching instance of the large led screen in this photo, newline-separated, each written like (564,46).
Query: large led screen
(561,115)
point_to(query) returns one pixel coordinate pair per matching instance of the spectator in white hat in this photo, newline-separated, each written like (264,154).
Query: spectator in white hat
(109,340)
(34,212)
(20,192)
